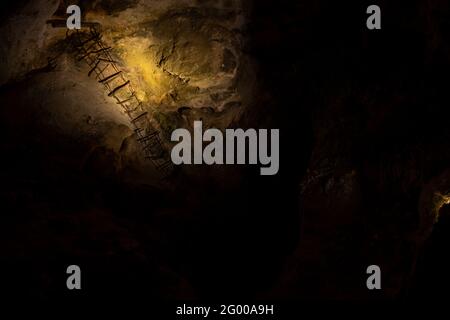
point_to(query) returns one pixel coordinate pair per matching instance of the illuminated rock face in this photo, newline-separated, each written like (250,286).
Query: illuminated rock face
(185,57)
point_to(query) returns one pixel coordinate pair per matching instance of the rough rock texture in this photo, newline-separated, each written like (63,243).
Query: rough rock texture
(71,147)
(364,152)
(184,59)
(181,56)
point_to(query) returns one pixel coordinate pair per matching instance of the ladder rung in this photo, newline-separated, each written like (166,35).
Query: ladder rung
(139,117)
(101,50)
(110,77)
(107,60)
(149,137)
(126,100)
(101,71)
(118,88)
(87,52)
(129,112)
(95,67)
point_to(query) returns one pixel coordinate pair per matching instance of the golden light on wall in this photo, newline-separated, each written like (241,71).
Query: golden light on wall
(153,83)
(439,201)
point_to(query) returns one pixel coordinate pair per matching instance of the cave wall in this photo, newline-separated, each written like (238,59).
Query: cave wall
(364,148)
